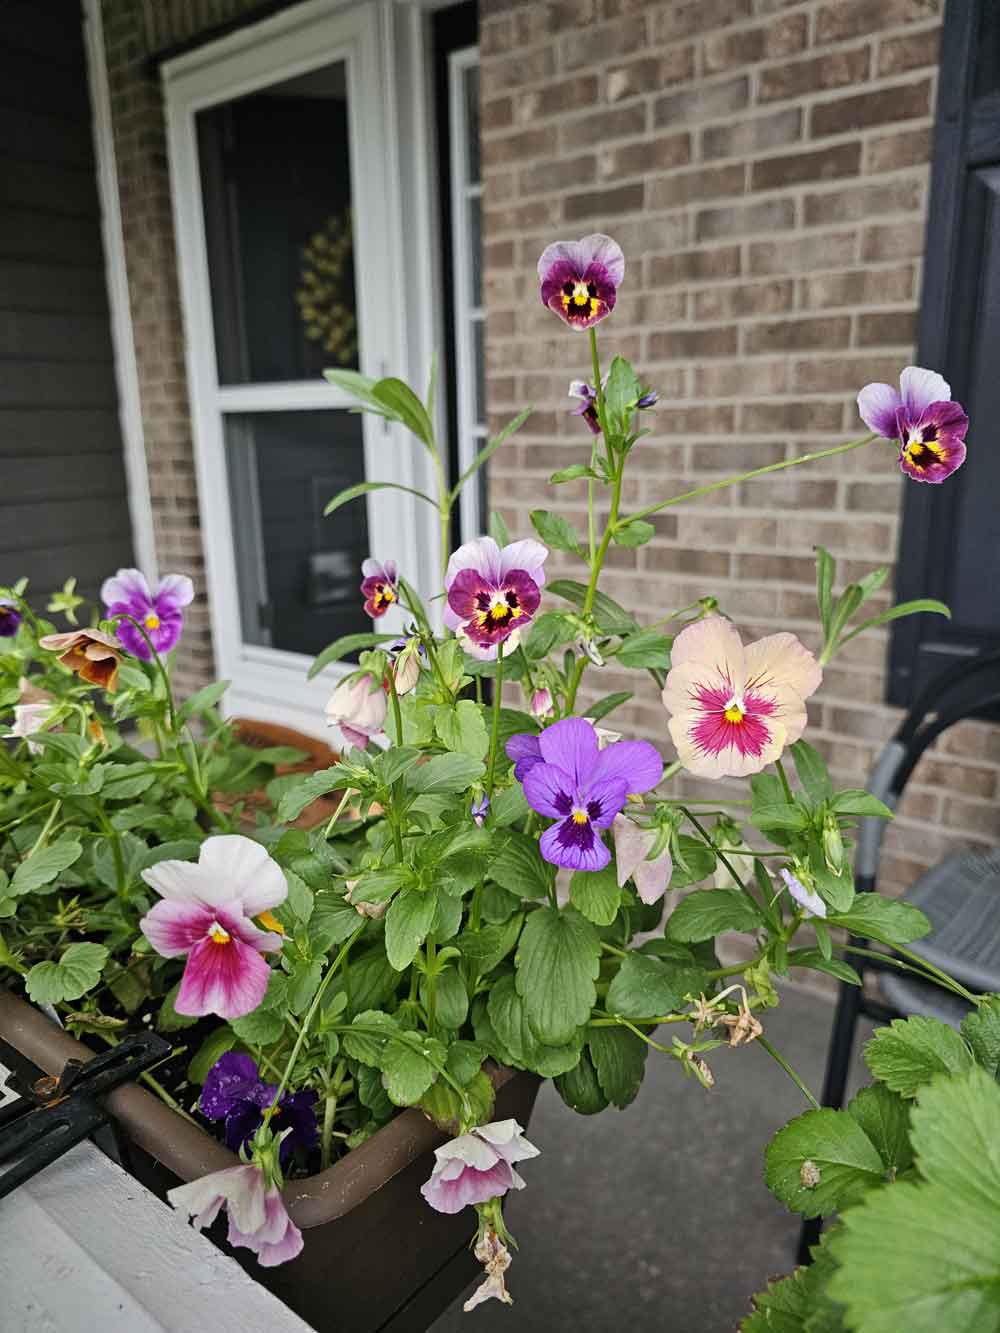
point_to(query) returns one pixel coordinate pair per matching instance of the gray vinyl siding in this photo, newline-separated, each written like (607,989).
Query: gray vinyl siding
(63,505)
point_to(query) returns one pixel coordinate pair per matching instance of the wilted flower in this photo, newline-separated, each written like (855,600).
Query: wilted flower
(921,415)
(587,407)
(583,788)
(632,846)
(206,913)
(29,718)
(10,618)
(374,911)
(494,1256)
(358,707)
(734,709)
(93,655)
(477,1166)
(541,703)
(580,279)
(258,1219)
(234,1092)
(479,810)
(379,586)
(493,592)
(810,902)
(159,612)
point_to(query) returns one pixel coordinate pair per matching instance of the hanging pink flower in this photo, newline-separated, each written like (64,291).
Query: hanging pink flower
(29,718)
(541,703)
(632,846)
(734,709)
(358,707)
(477,1166)
(580,279)
(258,1219)
(929,426)
(159,612)
(206,914)
(379,586)
(493,593)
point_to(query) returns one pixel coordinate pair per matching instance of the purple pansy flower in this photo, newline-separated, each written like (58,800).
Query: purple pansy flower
(158,612)
(378,586)
(235,1092)
(492,592)
(922,416)
(580,279)
(526,751)
(587,406)
(477,1166)
(480,809)
(10,618)
(811,903)
(583,787)
(258,1219)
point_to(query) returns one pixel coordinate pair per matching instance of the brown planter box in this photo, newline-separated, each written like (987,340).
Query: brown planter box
(377,1259)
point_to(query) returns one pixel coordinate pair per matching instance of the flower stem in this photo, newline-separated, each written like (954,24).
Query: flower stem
(495,728)
(780,1059)
(786,788)
(933,975)
(397,717)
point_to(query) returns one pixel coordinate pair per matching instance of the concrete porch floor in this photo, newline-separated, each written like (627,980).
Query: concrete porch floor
(657,1218)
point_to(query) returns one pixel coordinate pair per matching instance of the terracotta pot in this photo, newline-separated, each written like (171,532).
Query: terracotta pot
(259,736)
(376,1257)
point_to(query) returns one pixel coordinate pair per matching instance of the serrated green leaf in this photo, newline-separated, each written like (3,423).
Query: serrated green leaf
(519,868)
(595,893)
(821,1162)
(608,615)
(333,920)
(547,631)
(558,959)
(509,806)
(981,1029)
(633,532)
(648,648)
(508,1017)
(302,790)
(619,1058)
(445,774)
(259,1028)
(463,728)
(708,912)
(648,987)
(448,1110)
(554,531)
(44,866)
(693,862)
(572,473)
(778,816)
(451,999)
(487,947)
(910,1051)
(409,918)
(77,971)
(303,984)
(347,643)
(885,1118)
(408,1068)
(812,771)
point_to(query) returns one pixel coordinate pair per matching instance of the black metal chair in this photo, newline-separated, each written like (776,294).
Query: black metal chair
(961,895)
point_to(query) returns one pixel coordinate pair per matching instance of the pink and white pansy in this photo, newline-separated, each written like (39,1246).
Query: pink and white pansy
(477,1166)
(206,913)
(734,708)
(257,1216)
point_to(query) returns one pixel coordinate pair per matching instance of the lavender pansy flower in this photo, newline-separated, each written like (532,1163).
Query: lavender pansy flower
(480,809)
(378,586)
(583,787)
(580,279)
(811,903)
(477,1166)
(492,593)
(235,1092)
(258,1219)
(587,406)
(159,612)
(921,415)
(10,618)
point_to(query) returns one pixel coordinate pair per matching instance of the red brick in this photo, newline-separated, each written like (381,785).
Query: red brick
(686,187)
(689,344)
(857,287)
(843,19)
(759,298)
(682,18)
(901,240)
(805,254)
(568,95)
(741,379)
(622,123)
(605,203)
(645,155)
(891,328)
(794,334)
(850,205)
(514,148)
(898,55)
(696,265)
(773,418)
(745,220)
(799,78)
(910,102)
(596,45)
(906,149)
(710,101)
(752,134)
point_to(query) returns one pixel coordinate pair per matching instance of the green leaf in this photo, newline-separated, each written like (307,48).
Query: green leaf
(619,1058)
(812,771)
(498,529)
(547,630)
(693,862)
(463,728)
(518,867)
(555,531)
(77,971)
(798,1304)
(708,912)
(558,959)
(621,393)
(885,1118)
(203,700)
(122,782)
(857,802)
(400,400)
(445,1107)
(609,616)
(648,987)
(608,704)
(921,604)
(818,962)
(487,452)
(888,920)
(508,1016)
(394,762)
(407,922)
(364,488)
(261,1027)
(211,1050)
(837,891)
(333,920)
(633,532)
(452,999)
(825,569)
(648,648)
(910,1051)
(779,816)
(596,894)
(303,984)
(408,1067)
(445,774)
(301,792)
(981,1029)
(580,1089)
(168,1019)
(821,1162)
(509,806)
(572,473)
(359,386)
(465,1060)
(43,866)
(484,949)
(347,643)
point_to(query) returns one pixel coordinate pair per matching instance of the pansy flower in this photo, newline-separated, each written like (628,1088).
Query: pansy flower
(477,1166)
(525,750)
(587,406)
(378,586)
(580,279)
(929,426)
(93,655)
(479,809)
(734,709)
(811,903)
(358,707)
(258,1218)
(159,612)
(10,618)
(583,787)
(235,1093)
(206,913)
(493,593)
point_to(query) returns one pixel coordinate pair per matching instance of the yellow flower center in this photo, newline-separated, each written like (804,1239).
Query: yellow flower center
(217,935)
(580,817)
(270,922)
(734,713)
(581,296)
(152,621)
(917,450)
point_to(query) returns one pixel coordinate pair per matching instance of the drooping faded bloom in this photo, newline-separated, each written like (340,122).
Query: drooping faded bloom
(810,901)
(378,586)
(493,593)
(477,1166)
(541,703)
(632,846)
(235,1093)
(358,707)
(160,613)
(258,1219)
(28,719)
(922,416)
(206,913)
(10,618)
(587,406)
(494,1256)
(583,787)
(93,655)
(580,279)
(734,709)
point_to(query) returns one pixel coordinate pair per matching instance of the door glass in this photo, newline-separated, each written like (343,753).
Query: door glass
(276,186)
(298,572)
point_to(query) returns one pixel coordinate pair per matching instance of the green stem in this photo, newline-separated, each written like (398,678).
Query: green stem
(430,949)
(495,728)
(47,829)
(598,563)
(329,1115)
(780,1059)
(784,780)
(948,983)
(397,717)
(338,812)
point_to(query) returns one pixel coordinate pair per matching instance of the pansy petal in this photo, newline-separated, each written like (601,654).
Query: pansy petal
(601,249)
(631,845)
(129,588)
(725,760)
(637,762)
(173,592)
(527,555)
(572,746)
(187,881)
(574,846)
(252,874)
(548,789)
(877,406)
(652,878)
(919,388)
(783,660)
(481,554)
(714,643)
(230,1080)
(228,980)
(603,798)
(174,927)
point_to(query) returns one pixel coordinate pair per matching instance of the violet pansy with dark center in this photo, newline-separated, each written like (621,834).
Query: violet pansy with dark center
(493,593)
(922,416)
(378,586)
(160,613)
(580,279)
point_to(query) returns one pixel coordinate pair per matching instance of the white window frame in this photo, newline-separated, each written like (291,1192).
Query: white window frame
(268,682)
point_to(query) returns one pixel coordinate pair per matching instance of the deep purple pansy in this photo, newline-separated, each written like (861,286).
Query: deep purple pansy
(493,593)
(378,586)
(587,406)
(159,612)
(583,787)
(234,1092)
(580,279)
(921,415)
(10,618)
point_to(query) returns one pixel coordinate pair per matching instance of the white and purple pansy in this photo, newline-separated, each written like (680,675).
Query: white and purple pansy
(159,612)
(583,787)
(580,279)
(493,593)
(379,586)
(477,1166)
(258,1219)
(922,416)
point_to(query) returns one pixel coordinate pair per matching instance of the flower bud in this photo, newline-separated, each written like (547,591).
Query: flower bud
(541,703)
(358,707)
(406,666)
(833,843)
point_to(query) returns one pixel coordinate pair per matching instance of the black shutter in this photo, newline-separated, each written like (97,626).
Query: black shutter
(950,545)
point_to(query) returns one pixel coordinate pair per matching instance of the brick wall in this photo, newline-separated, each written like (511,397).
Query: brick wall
(764,165)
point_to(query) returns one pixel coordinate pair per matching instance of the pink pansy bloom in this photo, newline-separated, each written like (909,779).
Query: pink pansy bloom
(811,903)
(477,1166)
(257,1216)
(632,845)
(159,612)
(580,279)
(922,416)
(378,586)
(734,709)
(358,707)
(206,913)
(493,593)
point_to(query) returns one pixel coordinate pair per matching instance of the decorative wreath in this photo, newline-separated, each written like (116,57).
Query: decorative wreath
(326,296)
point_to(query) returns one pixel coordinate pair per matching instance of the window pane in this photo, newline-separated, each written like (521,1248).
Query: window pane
(298,572)
(480,371)
(276,184)
(472,120)
(475,252)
